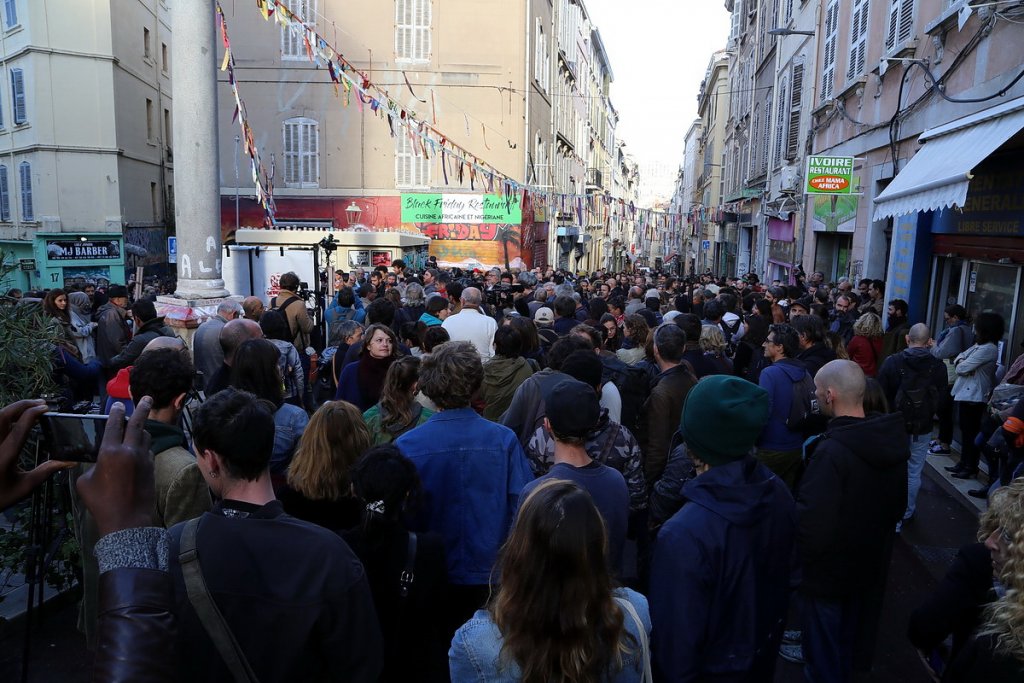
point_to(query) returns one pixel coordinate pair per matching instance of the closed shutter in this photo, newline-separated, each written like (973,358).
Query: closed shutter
(828,70)
(796,91)
(5,197)
(767,131)
(25,173)
(780,123)
(901,24)
(422,19)
(11,12)
(301,153)
(18,96)
(755,131)
(858,39)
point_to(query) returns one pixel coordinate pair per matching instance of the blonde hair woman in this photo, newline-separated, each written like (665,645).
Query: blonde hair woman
(712,343)
(997,653)
(865,348)
(319,487)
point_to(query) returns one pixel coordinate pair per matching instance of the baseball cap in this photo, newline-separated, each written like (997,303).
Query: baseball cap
(572,408)
(544,315)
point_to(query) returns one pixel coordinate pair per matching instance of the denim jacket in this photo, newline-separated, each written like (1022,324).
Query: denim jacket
(476,649)
(289,423)
(472,472)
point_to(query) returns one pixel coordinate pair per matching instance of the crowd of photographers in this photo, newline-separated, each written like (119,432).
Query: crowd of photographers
(479,476)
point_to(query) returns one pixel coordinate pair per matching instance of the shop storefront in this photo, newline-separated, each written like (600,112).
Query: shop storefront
(781,250)
(18,254)
(65,259)
(958,235)
(833,223)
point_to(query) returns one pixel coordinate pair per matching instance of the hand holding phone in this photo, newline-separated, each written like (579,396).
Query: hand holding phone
(16,421)
(120,490)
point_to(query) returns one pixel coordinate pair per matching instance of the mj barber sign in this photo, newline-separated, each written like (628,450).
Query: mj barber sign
(829,175)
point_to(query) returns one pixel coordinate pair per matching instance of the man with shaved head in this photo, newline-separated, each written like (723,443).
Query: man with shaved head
(913,381)
(232,335)
(853,493)
(472,324)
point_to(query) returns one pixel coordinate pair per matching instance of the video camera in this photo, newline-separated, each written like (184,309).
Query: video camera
(502,295)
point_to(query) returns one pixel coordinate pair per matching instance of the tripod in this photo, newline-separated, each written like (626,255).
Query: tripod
(42,547)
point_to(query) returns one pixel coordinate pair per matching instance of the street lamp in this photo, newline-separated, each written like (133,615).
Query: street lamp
(353,212)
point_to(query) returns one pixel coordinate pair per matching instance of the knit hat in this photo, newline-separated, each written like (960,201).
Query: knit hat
(544,316)
(115,291)
(723,417)
(572,408)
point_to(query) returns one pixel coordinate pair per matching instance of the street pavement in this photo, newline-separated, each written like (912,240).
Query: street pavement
(944,522)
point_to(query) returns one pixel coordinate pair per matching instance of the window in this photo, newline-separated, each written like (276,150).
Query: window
(145,42)
(18,96)
(149,120)
(301,153)
(542,59)
(5,197)
(789,11)
(540,160)
(164,58)
(858,39)
(828,70)
(755,131)
(797,86)
(154,201)
(901,23)
(10,13)
(293,44)
(412,30)
(167,128)
(25,176)
(412,169)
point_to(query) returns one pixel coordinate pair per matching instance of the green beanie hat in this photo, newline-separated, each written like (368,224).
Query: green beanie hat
(722,418)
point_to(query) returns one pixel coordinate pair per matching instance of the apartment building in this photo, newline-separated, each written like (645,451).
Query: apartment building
(719,150)
(86,173)
(684,197)
(522,85)
(926,96)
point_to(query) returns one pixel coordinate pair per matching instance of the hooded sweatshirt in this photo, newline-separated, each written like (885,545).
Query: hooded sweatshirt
(502,376)
(720,575)
(852,494)
(778,379)
(911,362)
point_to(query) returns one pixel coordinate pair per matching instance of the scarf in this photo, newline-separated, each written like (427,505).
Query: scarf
(370,377)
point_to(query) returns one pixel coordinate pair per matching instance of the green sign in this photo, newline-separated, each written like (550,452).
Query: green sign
(829,175)
(461,208)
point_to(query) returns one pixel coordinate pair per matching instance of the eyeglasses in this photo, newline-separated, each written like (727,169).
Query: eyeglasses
(1004,536)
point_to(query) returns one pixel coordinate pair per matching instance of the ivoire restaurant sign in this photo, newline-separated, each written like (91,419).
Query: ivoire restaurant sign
(461,208)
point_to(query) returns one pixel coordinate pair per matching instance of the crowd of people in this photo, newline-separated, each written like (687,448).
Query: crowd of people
(532,476)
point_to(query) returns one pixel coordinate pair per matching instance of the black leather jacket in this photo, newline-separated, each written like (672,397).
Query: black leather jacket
(136,627)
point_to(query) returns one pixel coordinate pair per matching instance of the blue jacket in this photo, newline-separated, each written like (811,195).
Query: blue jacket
(289,423)
(472,471)
(336,312)
(720,576)
(778,379)
(475,656)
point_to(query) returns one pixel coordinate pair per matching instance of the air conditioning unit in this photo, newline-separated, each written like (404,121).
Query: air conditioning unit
(789,180)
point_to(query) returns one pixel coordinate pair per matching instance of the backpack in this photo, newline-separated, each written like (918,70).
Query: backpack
(282,307)
(634,387)
(728,332)
(804,404)
(917,398)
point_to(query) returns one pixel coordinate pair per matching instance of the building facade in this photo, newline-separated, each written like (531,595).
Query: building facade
(719,154)
(523,85)
(86,159)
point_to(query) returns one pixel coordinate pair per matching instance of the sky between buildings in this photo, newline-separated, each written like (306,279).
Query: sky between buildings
(659,51)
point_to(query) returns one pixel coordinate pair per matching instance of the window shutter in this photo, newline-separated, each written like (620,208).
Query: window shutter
(11,10)
(858,39)
(755,131)
(906,21)
(422,21)
(402,29)
(767,132)
(25,171)
(18,96)
(828,71)
(5,198)
(797,86)
(780,124)
(894,20)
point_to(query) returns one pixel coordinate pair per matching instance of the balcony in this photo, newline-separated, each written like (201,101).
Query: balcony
(595,179)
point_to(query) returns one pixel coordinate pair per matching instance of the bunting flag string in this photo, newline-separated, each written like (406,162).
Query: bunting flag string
(455,160)
(261,179)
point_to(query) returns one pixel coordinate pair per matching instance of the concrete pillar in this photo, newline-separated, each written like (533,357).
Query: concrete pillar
(197,176)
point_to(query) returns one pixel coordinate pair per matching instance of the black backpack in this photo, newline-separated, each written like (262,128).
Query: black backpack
(728,332)
(917,398)
(634,387)
(804,404)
